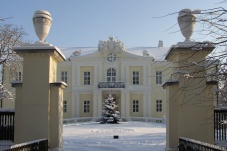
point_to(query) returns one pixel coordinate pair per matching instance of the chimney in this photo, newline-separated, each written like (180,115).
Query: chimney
(160,43)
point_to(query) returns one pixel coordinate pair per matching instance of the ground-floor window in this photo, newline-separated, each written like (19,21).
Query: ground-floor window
(135,106)
(86,106)
(64,106)
(158,105)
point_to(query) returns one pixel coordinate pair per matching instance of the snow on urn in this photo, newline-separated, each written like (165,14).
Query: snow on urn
(42,21)
(186,20)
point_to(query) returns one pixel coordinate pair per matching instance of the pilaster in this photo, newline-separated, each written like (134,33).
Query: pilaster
(123,104)
(127,74)
(149,106)
(77,104)
(73,105)
(122,72)
(73,75)
(144,104)
(99,103)
(100,72)
(144,75)
(127,103)
(78,75)
(95,76)
(95,104)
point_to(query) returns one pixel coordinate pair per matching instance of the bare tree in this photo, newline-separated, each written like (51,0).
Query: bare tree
(213,23)
(10,62)
(212,26)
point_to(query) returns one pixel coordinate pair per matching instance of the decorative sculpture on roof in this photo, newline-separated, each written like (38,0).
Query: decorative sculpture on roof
(111,45)
(145,53)
(76,53)
(102,46)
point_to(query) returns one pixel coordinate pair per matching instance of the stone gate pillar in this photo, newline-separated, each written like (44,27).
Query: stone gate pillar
(39,98)
(190,97)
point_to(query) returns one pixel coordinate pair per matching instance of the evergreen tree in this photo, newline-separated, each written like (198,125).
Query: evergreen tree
(110,113)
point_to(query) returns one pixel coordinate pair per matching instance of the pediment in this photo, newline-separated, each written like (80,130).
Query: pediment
(111,45)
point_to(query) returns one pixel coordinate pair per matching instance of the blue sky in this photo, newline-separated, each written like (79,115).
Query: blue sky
(81,23)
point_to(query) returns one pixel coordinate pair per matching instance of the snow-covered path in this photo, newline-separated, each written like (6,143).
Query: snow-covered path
(133,136)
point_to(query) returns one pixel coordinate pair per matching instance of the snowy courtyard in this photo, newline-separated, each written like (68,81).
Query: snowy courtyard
(133,136)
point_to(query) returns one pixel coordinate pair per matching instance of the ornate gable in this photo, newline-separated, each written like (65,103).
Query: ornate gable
(111,45)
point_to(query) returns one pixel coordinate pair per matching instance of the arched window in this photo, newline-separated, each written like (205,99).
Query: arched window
(111,75)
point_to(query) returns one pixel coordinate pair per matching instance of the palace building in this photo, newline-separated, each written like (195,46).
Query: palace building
(134,76)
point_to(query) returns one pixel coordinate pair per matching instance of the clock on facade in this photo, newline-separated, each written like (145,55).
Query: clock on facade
(111,57)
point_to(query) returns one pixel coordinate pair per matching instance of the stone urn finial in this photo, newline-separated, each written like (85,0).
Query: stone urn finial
(42,21)
(186,20)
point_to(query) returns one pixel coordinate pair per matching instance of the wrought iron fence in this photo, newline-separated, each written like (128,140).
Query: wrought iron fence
(186,144)
(111,85)
(7,125)
(220,124)
(38,145)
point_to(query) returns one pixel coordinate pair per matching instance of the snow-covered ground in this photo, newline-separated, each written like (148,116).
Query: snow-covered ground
(133,136)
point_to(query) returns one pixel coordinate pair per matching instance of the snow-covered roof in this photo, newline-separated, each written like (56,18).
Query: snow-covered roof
(158,53)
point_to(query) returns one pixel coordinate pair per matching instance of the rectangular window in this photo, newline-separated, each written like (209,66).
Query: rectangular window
(158,105)
(64,106)
(64,76)
(18,76)
(87,78)
(86,106)
(135,76)
(135,106)
(158,77)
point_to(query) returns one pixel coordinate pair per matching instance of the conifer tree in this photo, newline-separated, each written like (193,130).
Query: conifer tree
(110,113)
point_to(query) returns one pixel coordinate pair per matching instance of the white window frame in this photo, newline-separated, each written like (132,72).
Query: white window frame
(135,77)
(158,77)
(64,76)
(135,106)
(64,106)
(158,105)
(87,78)
(18,76)
(111,75)
(86,106)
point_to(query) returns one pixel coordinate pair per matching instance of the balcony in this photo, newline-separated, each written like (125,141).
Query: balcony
(111,85)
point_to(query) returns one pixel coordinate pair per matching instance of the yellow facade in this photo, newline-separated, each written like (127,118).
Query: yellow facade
(133,78)
(136,72)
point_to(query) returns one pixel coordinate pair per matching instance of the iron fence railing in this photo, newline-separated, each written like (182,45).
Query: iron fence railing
(7,125)
(220,124)
(186,144)
(37,145)
(111,85)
